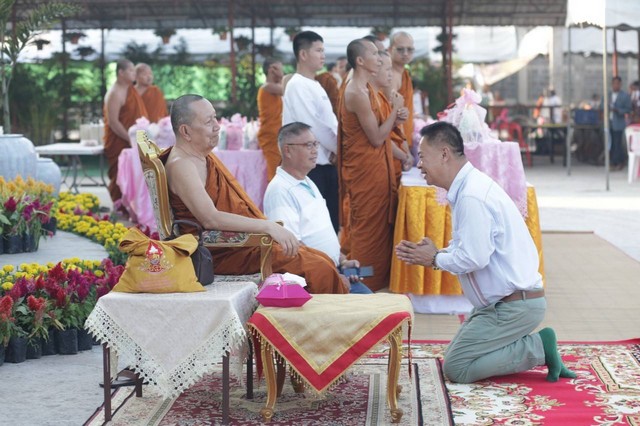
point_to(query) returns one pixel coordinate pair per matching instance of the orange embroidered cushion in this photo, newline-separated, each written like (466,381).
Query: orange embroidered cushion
(158,266)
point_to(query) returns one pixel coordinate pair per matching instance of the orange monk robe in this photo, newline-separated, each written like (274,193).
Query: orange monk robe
(367,176)
(345,227)
(317,268)
(396,137)
(270,112)
(155,103)
(406,90)
(330,85)
(132,109)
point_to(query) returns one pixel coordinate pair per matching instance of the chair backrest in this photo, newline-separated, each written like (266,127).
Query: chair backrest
(156,180)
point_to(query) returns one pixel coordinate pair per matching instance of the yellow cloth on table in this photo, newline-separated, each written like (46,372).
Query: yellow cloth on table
(421,215)
(323,338)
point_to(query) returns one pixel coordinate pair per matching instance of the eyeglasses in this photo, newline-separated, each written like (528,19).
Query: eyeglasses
(405,49)
(308,145)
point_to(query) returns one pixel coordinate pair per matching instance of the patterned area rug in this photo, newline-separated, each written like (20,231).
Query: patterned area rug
(606,391)
(361,400)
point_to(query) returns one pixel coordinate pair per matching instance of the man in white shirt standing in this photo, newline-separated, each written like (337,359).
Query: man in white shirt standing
(496,261)
(294,199)
(307,102)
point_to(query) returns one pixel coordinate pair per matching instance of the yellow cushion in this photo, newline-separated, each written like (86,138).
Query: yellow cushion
(158,266)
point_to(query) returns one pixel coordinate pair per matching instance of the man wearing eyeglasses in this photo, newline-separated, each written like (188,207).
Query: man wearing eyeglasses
(294,199)
(401,50)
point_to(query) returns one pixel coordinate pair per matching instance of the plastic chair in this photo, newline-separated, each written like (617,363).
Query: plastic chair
(514,132)
(633,151)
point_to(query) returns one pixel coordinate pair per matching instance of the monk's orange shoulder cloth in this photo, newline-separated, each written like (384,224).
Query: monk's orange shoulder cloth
(270,113)
(406,90)
(155,103)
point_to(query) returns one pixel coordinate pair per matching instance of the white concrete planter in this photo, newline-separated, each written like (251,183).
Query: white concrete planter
(17,157)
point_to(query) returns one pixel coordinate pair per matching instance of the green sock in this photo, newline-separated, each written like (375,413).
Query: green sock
(552,356)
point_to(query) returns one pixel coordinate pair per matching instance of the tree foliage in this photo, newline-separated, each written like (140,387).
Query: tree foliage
(11,44)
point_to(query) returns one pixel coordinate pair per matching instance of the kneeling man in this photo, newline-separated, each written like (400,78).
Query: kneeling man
(496,261)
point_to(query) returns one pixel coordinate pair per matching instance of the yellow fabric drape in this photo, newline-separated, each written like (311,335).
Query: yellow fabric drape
(419,215)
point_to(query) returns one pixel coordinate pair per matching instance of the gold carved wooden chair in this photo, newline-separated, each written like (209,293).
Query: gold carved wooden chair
(156,180)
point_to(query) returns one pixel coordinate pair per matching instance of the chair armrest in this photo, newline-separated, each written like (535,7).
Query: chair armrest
(214,238)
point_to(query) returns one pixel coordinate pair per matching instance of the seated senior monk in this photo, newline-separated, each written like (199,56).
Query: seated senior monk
(295,199)
(201,189)
(496,261)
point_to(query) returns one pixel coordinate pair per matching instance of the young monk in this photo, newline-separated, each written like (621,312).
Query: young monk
(366,168)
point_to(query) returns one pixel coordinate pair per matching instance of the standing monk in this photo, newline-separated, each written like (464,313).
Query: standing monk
(270,112)
(122,107)
(366,168)
(307,102)
(402,159)
(401,50)
(152,96)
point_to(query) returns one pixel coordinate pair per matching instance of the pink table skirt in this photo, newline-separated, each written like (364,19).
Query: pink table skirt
(501,161)
(248,166)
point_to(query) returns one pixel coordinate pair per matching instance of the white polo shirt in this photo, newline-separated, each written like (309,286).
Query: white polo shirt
(306,101)
(299,204)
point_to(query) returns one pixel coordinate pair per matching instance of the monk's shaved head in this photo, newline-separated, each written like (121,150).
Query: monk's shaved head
(122,65)
(398,35)
(181,112)
(142,67)
(355,49)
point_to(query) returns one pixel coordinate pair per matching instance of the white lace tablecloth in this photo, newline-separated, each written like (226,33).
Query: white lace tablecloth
(173,339)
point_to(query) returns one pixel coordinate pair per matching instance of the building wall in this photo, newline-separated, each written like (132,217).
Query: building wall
(584,77)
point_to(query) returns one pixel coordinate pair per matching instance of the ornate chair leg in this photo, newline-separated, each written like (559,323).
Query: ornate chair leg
(265,257)
(270,377)
(395,356)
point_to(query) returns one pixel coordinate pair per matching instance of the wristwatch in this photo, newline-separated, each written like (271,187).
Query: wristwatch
(433,262)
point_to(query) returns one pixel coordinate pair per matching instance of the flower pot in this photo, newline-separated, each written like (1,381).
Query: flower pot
(67,341)
(48,172)
(85,340)
(166,39)
(30,242)
(34,349)
(2,349)
(223,36)
(17,157)
(51,226)
(16,351)
(48,345)
(13,244)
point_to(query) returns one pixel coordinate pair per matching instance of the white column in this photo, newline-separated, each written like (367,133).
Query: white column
(556,62)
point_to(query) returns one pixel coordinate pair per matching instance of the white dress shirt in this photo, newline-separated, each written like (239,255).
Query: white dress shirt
(306,101)
(299,204)
(492,251)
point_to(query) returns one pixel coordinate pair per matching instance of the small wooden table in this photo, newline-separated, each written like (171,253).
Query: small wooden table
(353,324)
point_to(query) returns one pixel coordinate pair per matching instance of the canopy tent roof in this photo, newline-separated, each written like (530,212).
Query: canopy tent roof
(151,14)
(620,14)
